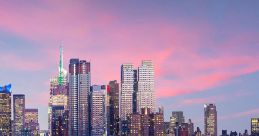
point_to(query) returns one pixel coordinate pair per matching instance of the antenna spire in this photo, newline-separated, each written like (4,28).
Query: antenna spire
(60,76)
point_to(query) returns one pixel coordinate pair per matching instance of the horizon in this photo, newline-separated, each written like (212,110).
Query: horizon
(203,52)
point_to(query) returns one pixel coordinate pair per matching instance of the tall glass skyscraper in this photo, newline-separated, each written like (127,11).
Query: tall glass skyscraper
(146,88)
(79,88)
(18,113)
(176,118)
(210,119)
(5,111)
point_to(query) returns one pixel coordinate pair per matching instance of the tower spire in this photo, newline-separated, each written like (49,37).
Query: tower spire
(60,76)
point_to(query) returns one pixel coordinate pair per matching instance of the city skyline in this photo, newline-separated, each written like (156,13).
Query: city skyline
(208,56)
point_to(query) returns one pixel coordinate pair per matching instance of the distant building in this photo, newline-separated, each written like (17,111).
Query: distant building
(210,120)
(113,116)
(98,112)
(224,133)
(18,113)
(5,111)
(31,122)
(177,118)
(190,128)
(255,126)
(198,132)
(146,123)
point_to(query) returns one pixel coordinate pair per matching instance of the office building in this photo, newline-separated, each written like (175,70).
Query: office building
(127,89)
(113,116)
(176,118)
(58,93)
(255,126)
(98,110)
(18,113)
(31,122)
(146,88)
(146,123)
(5,110)
(210,119)
(59,121)
(79,88)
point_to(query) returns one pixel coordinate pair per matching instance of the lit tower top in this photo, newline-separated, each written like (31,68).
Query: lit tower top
(62,72)
(60,76)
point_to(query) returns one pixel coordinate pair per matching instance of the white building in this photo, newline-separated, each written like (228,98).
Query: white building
(98,112)
(127,88)
(146,88)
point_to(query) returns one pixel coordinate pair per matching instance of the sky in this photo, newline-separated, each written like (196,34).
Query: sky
(203,51)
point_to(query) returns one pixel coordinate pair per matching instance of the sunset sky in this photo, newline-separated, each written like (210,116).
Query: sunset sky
(203,51)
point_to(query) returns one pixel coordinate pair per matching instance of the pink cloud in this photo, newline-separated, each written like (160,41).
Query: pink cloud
(240,114)
(181,68)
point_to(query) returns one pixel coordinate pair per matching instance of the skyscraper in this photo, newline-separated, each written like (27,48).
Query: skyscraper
(126,95)
(113,117)
(254,126)
(210,119)
(5,111)
(18,113)
(127,82)
(98,110)
(79,88)
(58,94)
(145,93)
(32,126)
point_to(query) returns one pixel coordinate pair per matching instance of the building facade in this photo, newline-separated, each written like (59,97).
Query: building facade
(18,113)
(210,120)
(5,111)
